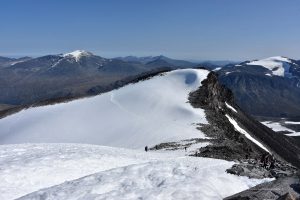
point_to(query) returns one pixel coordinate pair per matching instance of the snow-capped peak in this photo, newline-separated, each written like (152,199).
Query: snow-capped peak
(278,65)
(78,54)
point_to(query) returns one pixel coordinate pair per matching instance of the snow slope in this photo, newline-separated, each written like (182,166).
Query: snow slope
(145,113)
(121,174)
(278,65)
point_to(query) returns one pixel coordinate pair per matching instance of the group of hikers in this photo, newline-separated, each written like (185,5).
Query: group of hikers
(146,148)
(156,148)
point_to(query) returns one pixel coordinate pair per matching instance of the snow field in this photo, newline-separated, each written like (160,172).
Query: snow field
(145,113)
(25,168)
(122,174)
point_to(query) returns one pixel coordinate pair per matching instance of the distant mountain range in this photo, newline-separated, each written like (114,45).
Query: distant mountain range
(6,62)
(157,59)
(26,80)
(263,88)
(268,87)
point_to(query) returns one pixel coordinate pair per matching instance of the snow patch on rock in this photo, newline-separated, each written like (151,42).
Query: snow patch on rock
(230,107)
(242,131)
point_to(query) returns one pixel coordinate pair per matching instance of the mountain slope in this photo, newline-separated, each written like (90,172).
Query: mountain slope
(7,62)
(152,112)
(244,136)
(145,113)
(178,113)
(268,87)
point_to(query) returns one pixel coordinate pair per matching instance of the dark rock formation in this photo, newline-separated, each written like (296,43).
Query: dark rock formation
(231,144)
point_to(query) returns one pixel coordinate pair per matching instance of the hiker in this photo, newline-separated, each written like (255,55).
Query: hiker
(272,162)
(272,165)
(185,149)
(146,148)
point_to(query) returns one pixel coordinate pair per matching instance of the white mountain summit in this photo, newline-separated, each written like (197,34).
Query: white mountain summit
(77,54)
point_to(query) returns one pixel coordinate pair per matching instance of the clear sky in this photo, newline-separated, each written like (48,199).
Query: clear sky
(186,29)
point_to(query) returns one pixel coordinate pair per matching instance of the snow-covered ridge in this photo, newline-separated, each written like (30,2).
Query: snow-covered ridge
(77,54)
(278,65)
(145,113)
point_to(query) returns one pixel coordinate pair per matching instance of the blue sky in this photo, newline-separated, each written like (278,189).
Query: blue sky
(186,29)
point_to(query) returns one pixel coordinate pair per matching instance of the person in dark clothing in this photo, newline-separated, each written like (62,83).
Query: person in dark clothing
(272,165)
(185,148)
(146,148)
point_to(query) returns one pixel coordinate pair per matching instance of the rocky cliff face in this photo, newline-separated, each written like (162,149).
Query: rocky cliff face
(229,143)
(219,104)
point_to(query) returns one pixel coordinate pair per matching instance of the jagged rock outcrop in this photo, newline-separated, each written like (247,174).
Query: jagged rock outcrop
(218,101)
(230,144)
(213,96)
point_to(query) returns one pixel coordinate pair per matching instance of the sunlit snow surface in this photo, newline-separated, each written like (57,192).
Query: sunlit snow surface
(145,113)
(121,174)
